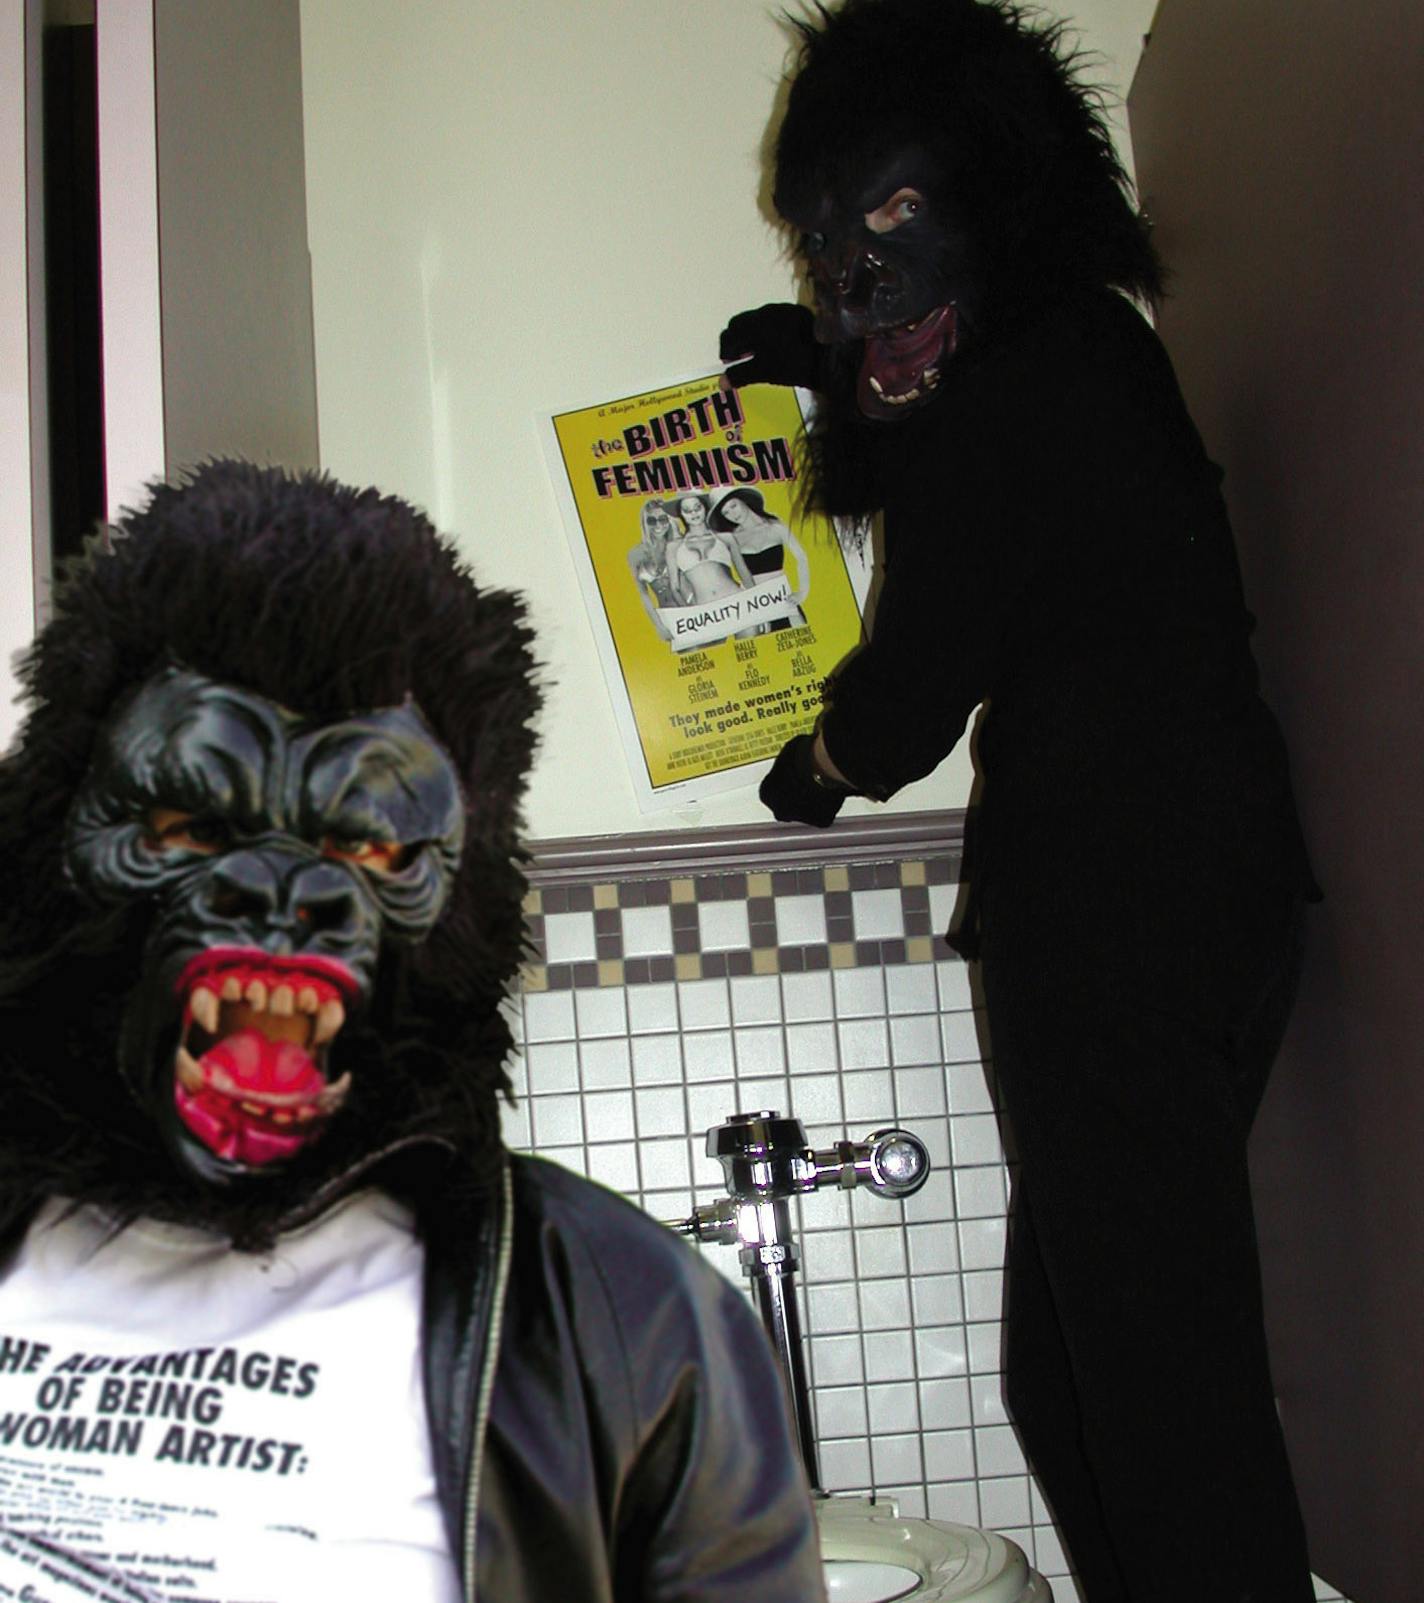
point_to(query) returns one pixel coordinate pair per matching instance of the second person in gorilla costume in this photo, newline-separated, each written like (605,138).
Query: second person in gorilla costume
(1057,548)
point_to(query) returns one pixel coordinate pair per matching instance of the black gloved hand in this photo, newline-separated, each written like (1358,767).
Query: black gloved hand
(779,344)
(792,791)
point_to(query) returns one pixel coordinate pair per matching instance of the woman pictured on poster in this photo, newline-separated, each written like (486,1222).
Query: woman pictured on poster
(648,561)
(704,566)
(764,541)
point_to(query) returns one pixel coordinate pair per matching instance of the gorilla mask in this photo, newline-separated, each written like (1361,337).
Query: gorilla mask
(279,855)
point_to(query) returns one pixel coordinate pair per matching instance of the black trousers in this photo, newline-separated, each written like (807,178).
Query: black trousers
(1134,1007)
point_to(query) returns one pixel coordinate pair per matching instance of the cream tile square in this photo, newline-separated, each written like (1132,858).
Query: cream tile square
(816,1099)
(568,938)
(895,1458)
(836,1360)
(708,1105)
(605,896)
(998,1452)
(975,1139)
(811,1048)
(723,926)
(884,1305)
(647,932)
(919,1093)
(944,1403)
(800,920)
(938,1300)
(549,1016)
(941,1352)
(933,1249)
(915,1038)
(704,1004)
(878,915)
(860,993)
(828,1256)
(661,1111)
(840,1411)
(949,1455)
(615,1165)
(806,997)
(604,1063)
(867,1096)
(831,1310)
(666,1165)
(601,1012)
(880,1251)
(756,999)
(889,1355)
(652,1009)
(657,1059)
(894,1406)
(760,1052)
(845,1466)
(707,1055)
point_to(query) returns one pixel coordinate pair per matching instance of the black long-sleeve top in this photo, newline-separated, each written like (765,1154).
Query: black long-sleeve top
(1056,546)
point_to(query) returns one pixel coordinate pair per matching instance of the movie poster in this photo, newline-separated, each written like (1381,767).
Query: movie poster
(718,609)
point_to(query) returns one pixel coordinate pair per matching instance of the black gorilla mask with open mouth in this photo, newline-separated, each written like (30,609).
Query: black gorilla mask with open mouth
(280,856)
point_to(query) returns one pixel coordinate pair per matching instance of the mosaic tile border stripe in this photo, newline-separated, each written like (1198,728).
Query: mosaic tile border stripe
(714,925)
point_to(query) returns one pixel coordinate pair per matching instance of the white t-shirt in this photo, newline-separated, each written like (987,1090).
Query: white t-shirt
(217,1427)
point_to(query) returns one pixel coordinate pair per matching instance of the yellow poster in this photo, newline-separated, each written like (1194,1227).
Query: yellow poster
(718,609)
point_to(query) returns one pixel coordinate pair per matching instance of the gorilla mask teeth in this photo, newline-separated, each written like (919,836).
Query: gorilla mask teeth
(249,1073)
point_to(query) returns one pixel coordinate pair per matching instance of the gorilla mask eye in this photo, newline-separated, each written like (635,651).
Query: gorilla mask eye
(375,856)
(812,244)
(902,206)
(171,830)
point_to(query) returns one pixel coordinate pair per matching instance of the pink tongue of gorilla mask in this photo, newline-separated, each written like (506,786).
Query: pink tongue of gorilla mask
(260,1099)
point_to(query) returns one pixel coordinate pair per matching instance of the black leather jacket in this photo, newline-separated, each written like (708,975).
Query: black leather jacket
(606,1420)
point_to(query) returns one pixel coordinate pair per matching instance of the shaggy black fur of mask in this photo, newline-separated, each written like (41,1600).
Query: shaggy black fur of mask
(327,601)
(1024,165)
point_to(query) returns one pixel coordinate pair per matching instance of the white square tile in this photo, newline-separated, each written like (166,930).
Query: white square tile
(574,1159)
(1049,1557)
(707,1055)
(766,1095)
(889,1354)
(1004,1502)
(707,1105)
(949,1455)
(982,1243)
(998,1452)
(840,1411)
(910,1500)
(915,1038)
(602,1011)
(933,1249)
(911,988)
(878,915)
(827,1255)
(895,1458)
(661,1111)
(652,1009)
(760,1052)
(568,938)
(986,1348)
(828,1209)
(968,1088)
(975,1139)
(867,1096)
(549,1016)
(831,1310)
(859,992)
(836,1360)
(723,926)
(919,1093)
(983,1294)
(657,1059)
(943,899)
(934,1200)
(756,999)
(894,1406)
(845,1465)
(880,1251)
(863,1044)
(514,1125)
(703,1004)
(551,1066)
(941,1352)
(604,1065)
(811,1048)
(960,1038)
(944,1403)
(615,1165)
(558,1120)
(647,931)
(956,1502)
(609,1115)
(816,1099)
(884,1305)
(800,920)
(938,1300)
(980,1193)
(955,989)
(665,1164)
(806,997)
(987,1395)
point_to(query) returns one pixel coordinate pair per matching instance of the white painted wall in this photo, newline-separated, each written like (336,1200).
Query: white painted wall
(517,209)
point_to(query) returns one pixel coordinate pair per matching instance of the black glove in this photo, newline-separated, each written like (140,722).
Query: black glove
(793,791)
(779,344)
